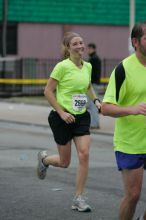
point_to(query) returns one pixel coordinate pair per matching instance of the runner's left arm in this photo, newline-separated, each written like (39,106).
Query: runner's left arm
(92,95)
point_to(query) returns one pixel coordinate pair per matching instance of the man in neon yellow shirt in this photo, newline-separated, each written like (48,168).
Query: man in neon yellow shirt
(125,99)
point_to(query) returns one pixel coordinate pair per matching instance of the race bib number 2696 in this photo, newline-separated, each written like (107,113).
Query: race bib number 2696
(79,102)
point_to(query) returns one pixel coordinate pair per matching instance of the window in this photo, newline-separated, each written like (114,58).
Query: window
(11,38)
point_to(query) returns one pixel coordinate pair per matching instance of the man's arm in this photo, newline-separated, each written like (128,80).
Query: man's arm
(112,110)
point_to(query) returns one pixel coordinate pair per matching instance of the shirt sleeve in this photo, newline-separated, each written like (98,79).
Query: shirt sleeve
(110,94)
(57,72)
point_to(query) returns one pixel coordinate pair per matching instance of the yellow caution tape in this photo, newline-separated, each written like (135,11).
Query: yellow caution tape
(35,81)
(23,81)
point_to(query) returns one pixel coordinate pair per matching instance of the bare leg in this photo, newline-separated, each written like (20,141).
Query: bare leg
(82,145)
(132,180)
(61,160)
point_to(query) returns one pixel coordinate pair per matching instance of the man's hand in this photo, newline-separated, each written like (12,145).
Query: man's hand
(139,109)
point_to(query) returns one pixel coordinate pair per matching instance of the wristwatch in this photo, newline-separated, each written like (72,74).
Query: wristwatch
(96,100)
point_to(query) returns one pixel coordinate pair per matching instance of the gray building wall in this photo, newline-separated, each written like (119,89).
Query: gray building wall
(111,41)
(39,40)
(44,40)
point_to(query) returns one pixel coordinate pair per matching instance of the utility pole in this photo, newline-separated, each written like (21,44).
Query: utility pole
(4,39)
(4,29)
(131,23)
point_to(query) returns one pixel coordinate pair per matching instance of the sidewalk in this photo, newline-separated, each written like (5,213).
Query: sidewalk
(38,115)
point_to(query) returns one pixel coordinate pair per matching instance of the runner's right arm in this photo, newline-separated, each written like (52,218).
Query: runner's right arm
(49,93)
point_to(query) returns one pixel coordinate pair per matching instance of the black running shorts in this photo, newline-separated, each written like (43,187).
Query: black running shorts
(64,132)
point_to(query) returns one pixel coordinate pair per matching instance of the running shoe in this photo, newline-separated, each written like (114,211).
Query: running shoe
(79,204)
(41,168)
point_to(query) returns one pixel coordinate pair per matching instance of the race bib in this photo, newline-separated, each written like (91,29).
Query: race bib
(79,102)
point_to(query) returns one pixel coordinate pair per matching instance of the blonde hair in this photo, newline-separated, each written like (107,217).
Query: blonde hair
(66,42)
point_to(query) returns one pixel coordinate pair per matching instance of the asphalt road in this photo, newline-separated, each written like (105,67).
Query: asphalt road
(24,197)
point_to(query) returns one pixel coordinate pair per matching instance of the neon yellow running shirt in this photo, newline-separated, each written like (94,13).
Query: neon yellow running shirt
(130,131)
(73,84)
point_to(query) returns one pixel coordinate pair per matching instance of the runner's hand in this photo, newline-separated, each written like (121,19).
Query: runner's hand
(67,117)
(98,105)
